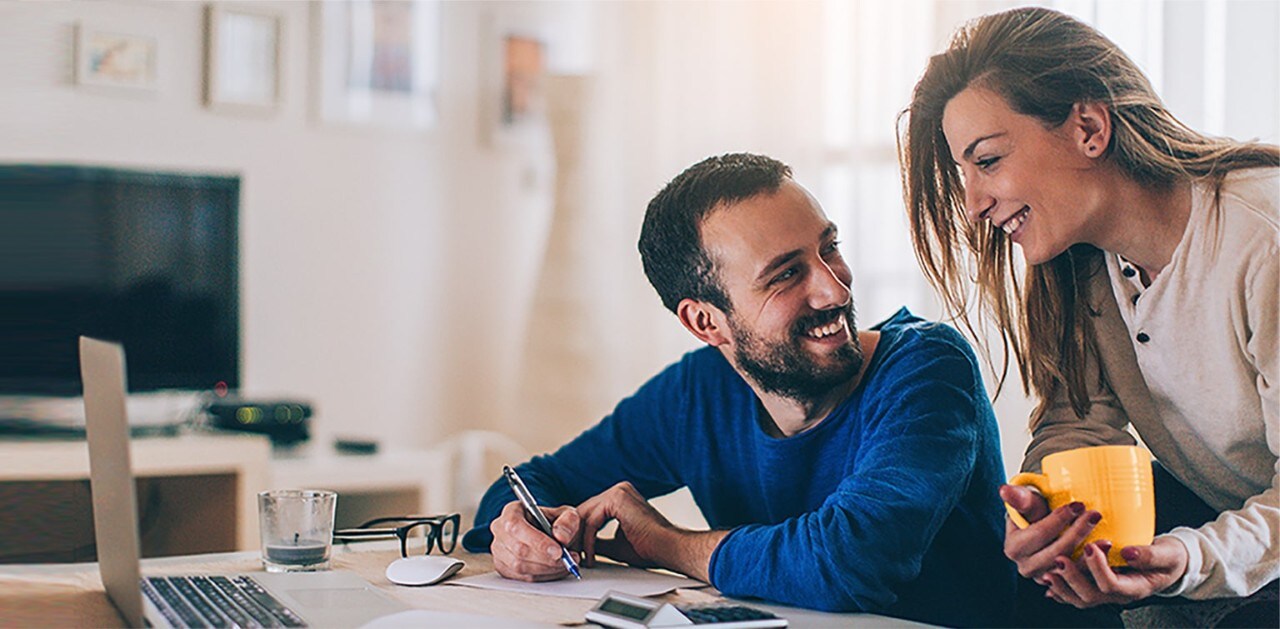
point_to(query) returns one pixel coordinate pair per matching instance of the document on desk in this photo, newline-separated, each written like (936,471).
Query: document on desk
(596,582)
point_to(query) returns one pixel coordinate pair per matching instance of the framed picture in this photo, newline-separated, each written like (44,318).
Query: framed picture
(514,99)
(379,62)
(115,59)
(524,70)
(243,48)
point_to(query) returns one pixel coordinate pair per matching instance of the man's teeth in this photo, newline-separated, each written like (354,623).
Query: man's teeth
(827,330)
(1016,221)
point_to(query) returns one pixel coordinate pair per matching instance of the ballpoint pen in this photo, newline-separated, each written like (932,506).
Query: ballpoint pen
(531,506)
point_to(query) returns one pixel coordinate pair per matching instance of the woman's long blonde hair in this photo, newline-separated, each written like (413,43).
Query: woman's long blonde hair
(1042,63)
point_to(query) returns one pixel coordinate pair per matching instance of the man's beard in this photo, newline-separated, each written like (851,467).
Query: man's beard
(787,369)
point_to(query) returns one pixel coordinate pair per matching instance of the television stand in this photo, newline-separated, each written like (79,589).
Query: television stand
(197,494)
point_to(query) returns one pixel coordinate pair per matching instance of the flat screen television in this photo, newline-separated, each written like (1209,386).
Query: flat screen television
(148,259)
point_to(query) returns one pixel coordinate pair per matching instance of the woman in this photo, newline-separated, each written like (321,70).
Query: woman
(1149,299)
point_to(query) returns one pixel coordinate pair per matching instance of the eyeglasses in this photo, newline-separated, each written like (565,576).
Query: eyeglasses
(440,531)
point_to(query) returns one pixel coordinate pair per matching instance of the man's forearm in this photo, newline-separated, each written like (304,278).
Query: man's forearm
(689,552)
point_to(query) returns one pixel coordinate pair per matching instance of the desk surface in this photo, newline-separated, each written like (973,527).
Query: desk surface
(66,595)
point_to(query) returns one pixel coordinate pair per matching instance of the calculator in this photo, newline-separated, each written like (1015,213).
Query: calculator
(623,611)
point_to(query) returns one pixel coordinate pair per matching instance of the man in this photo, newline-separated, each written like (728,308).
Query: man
(838,469)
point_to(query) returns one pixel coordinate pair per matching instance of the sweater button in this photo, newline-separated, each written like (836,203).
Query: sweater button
(1129,272)
(1143,338)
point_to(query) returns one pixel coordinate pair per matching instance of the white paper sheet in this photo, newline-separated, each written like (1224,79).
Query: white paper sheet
(596,582)
(417,618)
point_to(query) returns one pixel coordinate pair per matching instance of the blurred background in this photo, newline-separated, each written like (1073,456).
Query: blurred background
(440,201)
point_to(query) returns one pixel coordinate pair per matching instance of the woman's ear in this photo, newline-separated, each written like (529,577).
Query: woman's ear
(704,321)
(1091,128)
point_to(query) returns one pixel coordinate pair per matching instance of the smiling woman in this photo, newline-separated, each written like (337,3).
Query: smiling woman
(1034,129)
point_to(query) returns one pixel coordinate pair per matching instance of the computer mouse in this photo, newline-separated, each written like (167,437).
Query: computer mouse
(423,569)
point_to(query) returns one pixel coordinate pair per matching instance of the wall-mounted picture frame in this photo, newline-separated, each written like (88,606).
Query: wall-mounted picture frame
(513,100)
(243,59)
(524,71)
(379,62)
(115,59)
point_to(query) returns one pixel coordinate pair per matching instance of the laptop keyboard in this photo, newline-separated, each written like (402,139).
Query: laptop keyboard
(217,602)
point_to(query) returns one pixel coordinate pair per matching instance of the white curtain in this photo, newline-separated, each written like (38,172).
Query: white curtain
(817,84)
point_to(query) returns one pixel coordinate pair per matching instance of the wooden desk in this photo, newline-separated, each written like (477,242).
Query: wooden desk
(186,482)
(72,595)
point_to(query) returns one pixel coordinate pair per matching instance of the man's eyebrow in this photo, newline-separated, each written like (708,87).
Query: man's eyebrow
(968,150)
(782,259)
(778,261)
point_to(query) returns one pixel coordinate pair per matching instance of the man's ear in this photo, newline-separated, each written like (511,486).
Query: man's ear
(1091,128)
(704,321)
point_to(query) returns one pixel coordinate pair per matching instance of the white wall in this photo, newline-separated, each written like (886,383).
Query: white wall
(403,282)
(364,253)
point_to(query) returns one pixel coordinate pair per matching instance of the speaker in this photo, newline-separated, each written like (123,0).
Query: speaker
(285,421)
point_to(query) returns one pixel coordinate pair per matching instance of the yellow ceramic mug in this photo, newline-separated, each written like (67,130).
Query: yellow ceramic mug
(1112,480)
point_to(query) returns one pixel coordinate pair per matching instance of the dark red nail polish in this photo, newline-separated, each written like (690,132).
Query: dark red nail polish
(1095,517)
(1088,550)
(1076,507)
(1129,553)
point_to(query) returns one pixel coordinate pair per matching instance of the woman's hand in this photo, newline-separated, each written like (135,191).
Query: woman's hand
(1050,535)
(1092,582)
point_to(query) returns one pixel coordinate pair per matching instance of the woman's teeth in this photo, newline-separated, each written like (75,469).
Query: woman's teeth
(1016,221)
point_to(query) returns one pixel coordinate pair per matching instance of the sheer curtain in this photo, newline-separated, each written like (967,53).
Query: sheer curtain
(1215,63)
(818,85)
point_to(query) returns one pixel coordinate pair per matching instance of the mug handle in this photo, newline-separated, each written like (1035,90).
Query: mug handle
(1039,481)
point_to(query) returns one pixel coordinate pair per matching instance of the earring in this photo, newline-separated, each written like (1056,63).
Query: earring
(1092,149)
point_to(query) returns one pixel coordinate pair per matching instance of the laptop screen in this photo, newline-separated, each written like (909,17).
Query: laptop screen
(115,514)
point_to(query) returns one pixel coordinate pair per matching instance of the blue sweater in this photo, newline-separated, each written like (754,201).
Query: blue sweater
(888,506)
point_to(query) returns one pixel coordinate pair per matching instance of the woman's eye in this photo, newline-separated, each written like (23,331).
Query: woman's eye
(987,162)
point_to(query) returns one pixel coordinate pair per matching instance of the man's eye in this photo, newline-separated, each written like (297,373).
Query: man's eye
(785,275)
(832,247)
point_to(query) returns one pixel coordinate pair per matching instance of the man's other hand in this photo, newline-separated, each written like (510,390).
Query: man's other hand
(645,537)
(523,552)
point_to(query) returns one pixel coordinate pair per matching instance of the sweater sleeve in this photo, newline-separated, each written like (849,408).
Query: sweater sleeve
(634,443)
(869,537)
(1104,423)
(1239,552)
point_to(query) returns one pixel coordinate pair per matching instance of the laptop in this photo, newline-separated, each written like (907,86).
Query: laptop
(331,598)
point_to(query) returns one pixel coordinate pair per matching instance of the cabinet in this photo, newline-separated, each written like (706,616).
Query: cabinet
(197,493)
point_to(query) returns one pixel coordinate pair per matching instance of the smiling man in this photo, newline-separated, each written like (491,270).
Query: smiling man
(839,469)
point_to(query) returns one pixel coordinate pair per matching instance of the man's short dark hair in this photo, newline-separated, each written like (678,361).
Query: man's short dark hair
(675,261)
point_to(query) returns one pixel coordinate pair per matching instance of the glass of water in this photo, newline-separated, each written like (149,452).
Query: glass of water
(297,529)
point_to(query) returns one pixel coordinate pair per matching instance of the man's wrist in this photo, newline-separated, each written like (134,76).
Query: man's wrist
(689,552)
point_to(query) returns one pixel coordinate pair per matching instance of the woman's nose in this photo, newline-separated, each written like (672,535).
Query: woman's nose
(977,203)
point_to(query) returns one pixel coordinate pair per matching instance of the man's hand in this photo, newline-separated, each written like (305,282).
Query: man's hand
(1093,582)
(1051,534)
(645,538)
(522,551)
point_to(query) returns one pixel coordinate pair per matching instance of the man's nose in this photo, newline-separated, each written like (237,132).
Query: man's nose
(830,291)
